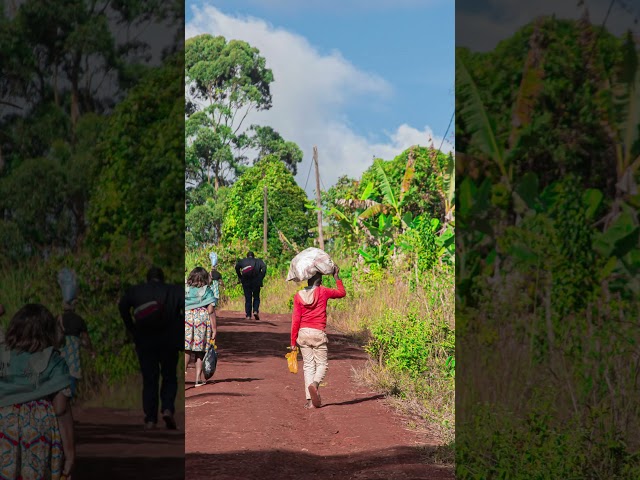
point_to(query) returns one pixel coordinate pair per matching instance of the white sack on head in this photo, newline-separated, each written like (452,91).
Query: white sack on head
(309,262)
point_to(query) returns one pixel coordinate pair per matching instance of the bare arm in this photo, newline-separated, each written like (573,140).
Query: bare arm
(62,409)
(340,291)
(296,317)
(213,319)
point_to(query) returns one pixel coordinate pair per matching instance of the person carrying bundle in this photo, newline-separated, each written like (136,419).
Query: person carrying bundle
(309,319)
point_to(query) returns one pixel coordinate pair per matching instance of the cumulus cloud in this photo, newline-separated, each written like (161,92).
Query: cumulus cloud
(310,94)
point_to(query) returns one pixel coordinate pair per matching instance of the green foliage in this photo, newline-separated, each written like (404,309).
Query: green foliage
(386,215)
(286,203)
(269,142)
(548,262)
(406,343)
(135,196)
(542,142)
(552,451)
(205,214)
(427,187)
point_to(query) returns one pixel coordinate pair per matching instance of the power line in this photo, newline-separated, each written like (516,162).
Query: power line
(308,174)
(604,22)
(447,131)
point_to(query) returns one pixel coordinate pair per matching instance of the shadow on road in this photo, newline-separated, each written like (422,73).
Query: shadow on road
(112,444)
(353,402)
(91,433)
(108,468)
(248,346)
(217,394)
(396,463)
(191,385)
(241,322)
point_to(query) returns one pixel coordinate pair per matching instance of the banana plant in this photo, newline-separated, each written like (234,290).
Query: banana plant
(391,203)
(621,122)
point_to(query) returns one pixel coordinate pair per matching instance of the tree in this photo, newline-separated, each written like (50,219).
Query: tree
(206,209)
(62,67)
(135,197)
(225,81)
(286,206)
(266,141)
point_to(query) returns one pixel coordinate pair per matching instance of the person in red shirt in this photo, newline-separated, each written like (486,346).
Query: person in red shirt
(308,325)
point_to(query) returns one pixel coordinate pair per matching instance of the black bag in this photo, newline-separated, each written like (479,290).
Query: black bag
(209,363)
(151,315)
(248,271)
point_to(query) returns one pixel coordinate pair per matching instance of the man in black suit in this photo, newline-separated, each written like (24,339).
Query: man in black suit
(251,272)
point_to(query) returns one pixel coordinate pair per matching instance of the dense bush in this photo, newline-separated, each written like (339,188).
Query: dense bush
(286,206)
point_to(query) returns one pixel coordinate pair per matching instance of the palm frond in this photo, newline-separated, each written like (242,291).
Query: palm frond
(477,118)
(385,186)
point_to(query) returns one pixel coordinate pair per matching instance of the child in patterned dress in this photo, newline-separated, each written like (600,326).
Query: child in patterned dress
(36,424)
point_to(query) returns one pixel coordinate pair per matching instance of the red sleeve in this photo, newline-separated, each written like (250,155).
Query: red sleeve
(336,292)
(295,320)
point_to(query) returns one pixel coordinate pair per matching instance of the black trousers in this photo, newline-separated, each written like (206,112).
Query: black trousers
(156,360)
(251,298)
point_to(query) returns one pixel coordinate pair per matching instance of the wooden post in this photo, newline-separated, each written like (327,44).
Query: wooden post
(318,200)
(264,223)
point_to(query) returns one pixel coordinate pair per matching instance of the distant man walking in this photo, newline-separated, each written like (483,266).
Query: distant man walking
(157,328)
(251,272)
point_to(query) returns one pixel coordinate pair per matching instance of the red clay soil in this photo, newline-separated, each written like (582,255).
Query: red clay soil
(111,444)
(249,423)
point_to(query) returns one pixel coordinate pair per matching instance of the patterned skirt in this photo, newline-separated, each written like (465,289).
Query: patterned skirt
(30,442)
(197,330)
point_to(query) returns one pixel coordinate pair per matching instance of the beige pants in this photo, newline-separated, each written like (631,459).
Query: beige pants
(313,346)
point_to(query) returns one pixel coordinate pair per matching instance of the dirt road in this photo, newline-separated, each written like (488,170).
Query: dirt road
(249,422)
(111,444)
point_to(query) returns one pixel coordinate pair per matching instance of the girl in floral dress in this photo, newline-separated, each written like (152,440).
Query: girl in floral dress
(36,425)
(200,326)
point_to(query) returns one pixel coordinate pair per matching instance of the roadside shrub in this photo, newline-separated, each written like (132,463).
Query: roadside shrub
(409,343)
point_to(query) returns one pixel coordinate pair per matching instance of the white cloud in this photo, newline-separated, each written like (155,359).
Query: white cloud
(310,93)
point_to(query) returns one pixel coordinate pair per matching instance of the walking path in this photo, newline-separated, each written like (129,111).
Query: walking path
(111,444)
(249,421)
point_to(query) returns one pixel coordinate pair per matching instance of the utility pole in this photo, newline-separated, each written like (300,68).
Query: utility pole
(319,202)
(264,223)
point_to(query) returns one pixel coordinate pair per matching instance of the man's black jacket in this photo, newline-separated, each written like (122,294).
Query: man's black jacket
(172,297)
(260,271)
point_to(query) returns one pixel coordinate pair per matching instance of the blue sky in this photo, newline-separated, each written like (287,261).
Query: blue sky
(392,60)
